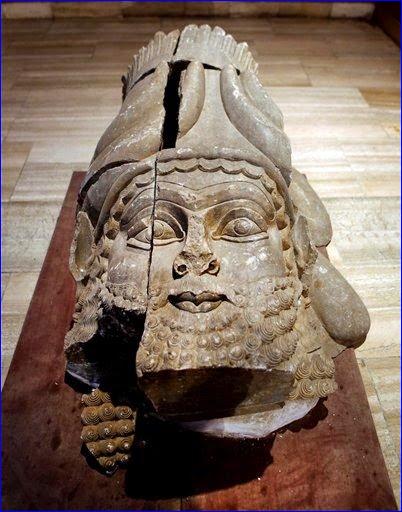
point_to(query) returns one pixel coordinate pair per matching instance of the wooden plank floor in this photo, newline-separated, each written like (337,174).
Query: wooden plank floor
(337,83)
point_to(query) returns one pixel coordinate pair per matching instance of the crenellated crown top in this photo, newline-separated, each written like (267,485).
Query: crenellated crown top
(212,47)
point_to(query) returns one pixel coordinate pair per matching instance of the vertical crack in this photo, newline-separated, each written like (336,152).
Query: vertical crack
(170,130)
(171,103)
(151,248)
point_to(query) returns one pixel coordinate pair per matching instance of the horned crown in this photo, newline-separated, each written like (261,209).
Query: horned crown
(213,47)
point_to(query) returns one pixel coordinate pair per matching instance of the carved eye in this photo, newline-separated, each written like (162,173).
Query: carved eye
(241,225)
(166,230)
(162,232)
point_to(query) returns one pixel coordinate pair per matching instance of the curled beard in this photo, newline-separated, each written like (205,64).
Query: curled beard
(248,330)
(252,328)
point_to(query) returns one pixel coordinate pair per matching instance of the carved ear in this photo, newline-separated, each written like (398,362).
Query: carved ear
(305,251)
(83,247)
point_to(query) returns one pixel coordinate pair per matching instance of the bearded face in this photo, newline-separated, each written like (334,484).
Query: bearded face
(201,294)
(222,295)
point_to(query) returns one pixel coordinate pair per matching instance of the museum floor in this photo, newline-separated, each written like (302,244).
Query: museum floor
(337,83)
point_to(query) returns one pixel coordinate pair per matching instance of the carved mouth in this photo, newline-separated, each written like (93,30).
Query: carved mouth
(197,303)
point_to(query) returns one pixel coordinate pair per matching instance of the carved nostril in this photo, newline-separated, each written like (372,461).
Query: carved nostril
(180,270)
(213,267)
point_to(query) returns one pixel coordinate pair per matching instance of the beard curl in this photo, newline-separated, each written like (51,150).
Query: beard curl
(254,328)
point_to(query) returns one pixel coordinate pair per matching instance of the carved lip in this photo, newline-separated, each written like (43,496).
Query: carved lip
(197,302)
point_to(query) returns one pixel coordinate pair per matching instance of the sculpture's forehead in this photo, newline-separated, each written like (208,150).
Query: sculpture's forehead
(200,178)
(197,191)
(213,194)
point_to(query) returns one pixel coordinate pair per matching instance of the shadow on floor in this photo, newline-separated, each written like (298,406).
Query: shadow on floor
(171,463)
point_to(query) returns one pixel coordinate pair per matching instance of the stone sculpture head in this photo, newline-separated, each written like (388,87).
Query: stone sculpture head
(195,251)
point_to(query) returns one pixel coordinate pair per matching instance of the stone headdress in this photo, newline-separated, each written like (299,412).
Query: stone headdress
(187,95)
(192,100)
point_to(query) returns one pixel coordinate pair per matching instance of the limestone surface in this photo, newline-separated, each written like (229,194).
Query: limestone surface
(201,295)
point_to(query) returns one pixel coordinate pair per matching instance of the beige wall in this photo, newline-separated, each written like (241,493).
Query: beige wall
(232,9)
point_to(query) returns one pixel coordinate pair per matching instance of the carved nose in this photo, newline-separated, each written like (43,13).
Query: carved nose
(199,264)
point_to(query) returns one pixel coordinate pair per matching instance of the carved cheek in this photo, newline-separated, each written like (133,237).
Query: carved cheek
(269,260)
(127,264)
(252,260)
(276,251)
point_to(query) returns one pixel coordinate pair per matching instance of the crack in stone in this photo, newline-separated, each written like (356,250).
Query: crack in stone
(152,232)
(95,177)
(170,124)
(171,103)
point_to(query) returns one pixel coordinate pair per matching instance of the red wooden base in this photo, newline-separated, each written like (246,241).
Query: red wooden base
(329,460)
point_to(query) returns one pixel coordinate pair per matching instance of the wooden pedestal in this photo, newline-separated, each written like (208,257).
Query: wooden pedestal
(329,460)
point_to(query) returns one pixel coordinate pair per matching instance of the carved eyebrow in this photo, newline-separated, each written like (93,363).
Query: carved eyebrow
(198,199)
(143,199)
